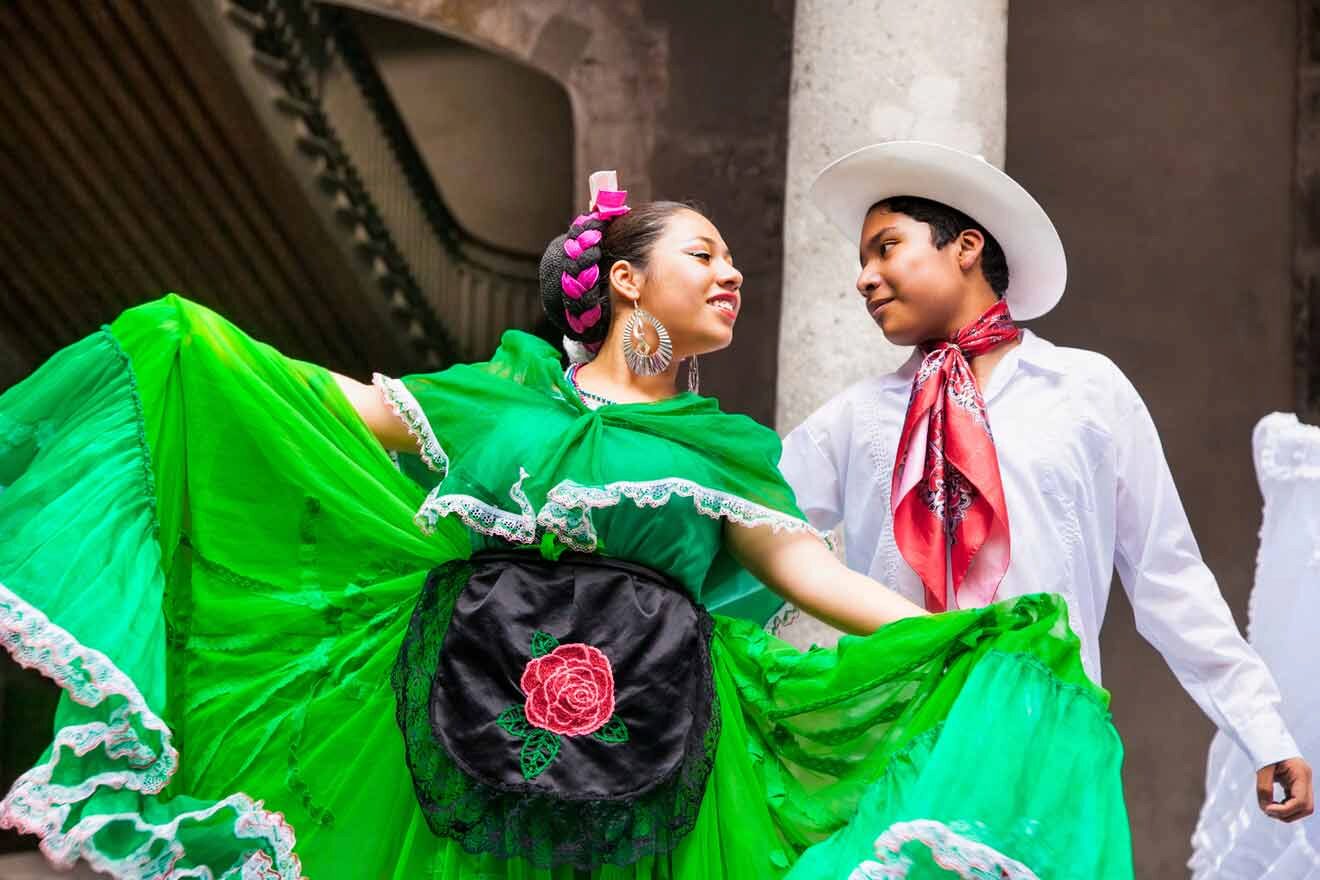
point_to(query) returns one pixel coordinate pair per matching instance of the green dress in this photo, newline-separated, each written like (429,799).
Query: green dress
(206,549)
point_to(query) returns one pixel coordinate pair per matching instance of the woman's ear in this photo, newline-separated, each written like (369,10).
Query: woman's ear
(626,279)
(970,245)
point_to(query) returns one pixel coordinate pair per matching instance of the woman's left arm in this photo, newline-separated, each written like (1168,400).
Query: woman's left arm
(799,567)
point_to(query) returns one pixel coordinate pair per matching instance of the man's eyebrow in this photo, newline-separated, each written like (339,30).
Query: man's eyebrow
(870,242)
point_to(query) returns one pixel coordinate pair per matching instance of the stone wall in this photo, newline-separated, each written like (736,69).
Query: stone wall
(1306,217)
(688,100)
(497,135)
(1160,138)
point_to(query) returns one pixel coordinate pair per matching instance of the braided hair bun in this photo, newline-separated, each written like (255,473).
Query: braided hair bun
(574,290)
(575,285)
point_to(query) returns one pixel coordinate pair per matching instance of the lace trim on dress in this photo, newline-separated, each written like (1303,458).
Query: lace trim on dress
(410,412)
(950,850)
(566,513)
(36,804)
(481,517)
(568,507)
(1289,448)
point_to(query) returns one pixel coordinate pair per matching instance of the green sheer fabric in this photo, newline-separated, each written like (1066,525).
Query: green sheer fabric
(208,551)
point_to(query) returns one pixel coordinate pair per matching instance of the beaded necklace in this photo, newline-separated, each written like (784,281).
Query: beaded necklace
(592,401)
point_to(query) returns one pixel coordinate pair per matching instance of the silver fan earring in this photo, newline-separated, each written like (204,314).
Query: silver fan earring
(694,376)
(643,358)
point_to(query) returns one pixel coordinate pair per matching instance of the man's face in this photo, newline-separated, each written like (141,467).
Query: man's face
(913,290)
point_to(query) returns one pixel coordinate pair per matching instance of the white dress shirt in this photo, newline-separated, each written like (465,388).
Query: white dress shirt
(1087,489)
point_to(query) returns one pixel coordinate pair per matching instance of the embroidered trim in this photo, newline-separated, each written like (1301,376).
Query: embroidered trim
(37,805)
(950,850)
(1288,448)
(480,516)
(568,507)
(787,615)
(401,401)
(880,450)
(567,510)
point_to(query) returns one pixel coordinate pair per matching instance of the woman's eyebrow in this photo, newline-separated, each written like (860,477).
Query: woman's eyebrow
(710,242)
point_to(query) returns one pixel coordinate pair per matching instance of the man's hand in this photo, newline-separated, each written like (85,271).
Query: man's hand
(1294,775)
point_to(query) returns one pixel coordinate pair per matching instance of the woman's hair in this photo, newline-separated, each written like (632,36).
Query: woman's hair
(575,284)
(946,224)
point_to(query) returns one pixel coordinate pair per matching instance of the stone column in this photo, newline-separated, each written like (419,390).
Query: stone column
(866,71)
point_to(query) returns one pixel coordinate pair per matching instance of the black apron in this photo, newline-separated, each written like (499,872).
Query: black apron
(559,711)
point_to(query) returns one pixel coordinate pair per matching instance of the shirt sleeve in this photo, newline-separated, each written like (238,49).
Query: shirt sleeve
(814,474)
(1179,608)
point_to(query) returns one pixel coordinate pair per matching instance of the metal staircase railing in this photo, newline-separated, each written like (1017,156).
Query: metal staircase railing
(454,293)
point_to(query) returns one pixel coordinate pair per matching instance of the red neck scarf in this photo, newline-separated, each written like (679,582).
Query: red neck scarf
(947,497)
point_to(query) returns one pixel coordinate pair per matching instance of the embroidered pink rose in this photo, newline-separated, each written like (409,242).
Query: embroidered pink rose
(569,691)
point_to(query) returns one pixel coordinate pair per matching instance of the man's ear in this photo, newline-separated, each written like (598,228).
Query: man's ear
(970,243)
(626,279)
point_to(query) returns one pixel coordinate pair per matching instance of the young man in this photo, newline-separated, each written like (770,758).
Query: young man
(1071,483)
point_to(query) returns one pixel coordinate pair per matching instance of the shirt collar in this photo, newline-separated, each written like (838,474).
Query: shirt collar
(1040,353)
(1034,351)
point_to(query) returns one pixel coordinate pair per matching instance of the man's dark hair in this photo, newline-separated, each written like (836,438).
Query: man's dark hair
(945,225)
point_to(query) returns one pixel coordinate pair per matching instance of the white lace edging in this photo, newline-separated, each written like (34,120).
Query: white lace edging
(480,516)
(1288,449)
(401,401)
(36,805)
(569,505)
(952,851)
(567,510)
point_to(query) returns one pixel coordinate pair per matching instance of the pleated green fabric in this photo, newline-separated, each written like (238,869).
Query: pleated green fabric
(208,551)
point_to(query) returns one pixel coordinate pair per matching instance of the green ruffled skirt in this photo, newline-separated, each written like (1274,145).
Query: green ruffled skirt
(204,547)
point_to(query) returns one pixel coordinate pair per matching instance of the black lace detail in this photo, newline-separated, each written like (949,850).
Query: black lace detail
(545,830)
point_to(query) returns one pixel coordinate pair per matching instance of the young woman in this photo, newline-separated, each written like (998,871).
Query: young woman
(495,656)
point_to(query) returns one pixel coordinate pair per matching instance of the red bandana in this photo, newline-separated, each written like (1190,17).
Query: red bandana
(947,495)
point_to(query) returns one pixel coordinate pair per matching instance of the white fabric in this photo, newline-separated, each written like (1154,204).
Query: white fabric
(577,352)
(601,180)
(1087,488)
(1234,840)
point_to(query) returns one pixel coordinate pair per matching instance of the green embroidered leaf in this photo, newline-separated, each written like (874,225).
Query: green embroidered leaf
(538,751)
(543,643)
(514,720)
(613,732)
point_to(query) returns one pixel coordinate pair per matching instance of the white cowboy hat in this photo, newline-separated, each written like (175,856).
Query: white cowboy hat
(1037,269)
